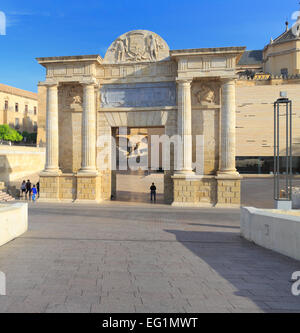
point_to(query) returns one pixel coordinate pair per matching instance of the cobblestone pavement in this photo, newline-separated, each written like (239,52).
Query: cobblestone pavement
(142,258)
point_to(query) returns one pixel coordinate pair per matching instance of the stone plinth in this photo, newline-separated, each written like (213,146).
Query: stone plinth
(79,188)
(206,191)
(194,191)
(49,186)
(229,191)
(88,188)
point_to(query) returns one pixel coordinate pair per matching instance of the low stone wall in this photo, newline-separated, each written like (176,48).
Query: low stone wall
(273,229)
(17,162)
(13,221)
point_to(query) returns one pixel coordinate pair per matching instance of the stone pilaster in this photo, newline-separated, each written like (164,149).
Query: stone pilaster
(184,124)
(88,164)
(228,128)
(52,146)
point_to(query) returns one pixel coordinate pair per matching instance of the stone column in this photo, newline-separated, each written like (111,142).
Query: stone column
(88,164)
(184,123)
(228,127)
(52,129)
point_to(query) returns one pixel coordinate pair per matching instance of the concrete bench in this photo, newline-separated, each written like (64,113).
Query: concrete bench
(13,221)
(273,229)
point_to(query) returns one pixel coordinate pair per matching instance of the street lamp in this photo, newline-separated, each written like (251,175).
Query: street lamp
(283,194)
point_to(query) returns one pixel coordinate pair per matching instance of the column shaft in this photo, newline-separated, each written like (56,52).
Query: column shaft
(88,129)
(228,128)
(184,123)
(52,147)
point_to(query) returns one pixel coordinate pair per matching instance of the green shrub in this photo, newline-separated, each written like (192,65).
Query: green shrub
(9,134)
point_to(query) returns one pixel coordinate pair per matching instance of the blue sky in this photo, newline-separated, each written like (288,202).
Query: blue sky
(62,27)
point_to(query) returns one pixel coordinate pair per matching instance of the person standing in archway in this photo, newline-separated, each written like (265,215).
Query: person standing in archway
(153,192)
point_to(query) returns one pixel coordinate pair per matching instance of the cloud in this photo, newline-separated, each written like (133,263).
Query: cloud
(17,13)
(2,23)
(14,18)
(28,13)
(11,22)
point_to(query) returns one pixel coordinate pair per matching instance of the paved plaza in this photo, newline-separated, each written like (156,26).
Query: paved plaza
(127,257)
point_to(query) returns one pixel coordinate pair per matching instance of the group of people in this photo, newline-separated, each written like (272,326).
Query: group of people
(30,191)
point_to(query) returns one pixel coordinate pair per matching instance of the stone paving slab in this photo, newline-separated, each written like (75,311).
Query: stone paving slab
(113,258)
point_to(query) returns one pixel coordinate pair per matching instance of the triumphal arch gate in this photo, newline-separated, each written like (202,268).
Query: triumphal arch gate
(141,83)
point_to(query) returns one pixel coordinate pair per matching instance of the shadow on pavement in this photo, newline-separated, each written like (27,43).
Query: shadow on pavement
(251,273)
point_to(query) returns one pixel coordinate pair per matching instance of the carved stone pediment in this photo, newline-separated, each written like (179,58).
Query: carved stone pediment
(206,93)
(137,46)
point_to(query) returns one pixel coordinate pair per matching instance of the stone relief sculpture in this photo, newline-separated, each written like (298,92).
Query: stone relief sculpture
(153,47)
(138,95)
(120,50)
(77,100)
(71,97)
(205,94)
(137,46)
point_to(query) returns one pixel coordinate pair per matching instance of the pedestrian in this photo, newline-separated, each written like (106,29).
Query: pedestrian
(28,190)
(23,188)
(34,193)
(38,188)
(153,192)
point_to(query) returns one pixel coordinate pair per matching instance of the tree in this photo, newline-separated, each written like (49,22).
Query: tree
(9,134)
(29,137)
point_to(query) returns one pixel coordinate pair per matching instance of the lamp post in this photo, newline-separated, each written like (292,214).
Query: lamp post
(283,194)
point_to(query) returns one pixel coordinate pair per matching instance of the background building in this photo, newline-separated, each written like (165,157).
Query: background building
(18,108)
(250,63)
(277,68)
(282,55)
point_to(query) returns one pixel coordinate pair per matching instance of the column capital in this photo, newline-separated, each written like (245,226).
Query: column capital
(89,82)
(49,84)
(184,81)
(228,80)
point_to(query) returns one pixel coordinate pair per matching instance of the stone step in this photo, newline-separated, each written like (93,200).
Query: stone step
(2,186)
(5,197)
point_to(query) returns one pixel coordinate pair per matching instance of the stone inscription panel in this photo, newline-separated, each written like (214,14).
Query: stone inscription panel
(138,95)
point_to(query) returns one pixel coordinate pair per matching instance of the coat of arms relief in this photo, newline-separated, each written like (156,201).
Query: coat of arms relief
(137,46)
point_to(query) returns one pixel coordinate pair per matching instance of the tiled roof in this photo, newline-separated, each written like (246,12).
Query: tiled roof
(254,57)
(18,92)
(286,36)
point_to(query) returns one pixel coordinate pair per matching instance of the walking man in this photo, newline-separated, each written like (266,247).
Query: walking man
(23,188)
(153,192)
(28,190)
(38,188)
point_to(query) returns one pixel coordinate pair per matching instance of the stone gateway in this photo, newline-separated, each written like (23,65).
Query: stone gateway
(141,83)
